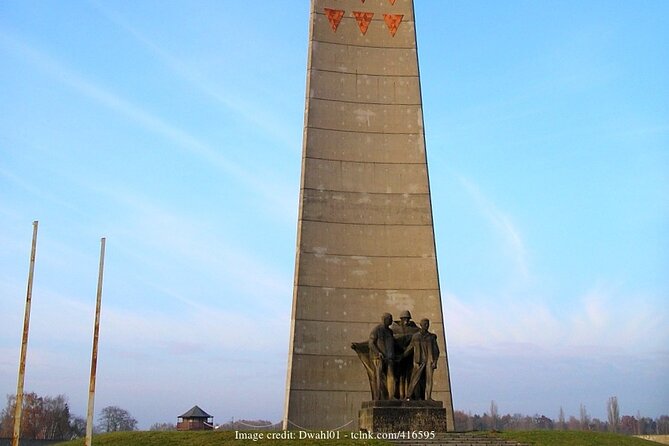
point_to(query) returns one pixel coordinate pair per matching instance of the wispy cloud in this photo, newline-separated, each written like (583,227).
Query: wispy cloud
(499,321)
(147,351)
(39,193)
(160,333)
(608,317)
(604,319)
(244,109)
(193,242)
(503,225)
(276,199)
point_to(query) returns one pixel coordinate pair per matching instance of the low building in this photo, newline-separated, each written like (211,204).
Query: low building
(195,419)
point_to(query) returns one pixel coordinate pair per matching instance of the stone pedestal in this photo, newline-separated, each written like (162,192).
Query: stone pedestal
(398,415)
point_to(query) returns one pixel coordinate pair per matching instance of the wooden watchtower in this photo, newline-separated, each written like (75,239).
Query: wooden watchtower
(195,419)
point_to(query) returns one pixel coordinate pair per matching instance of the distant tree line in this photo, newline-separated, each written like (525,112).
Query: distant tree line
(163,427)
(232,425)
(625,424)
(43,418)
(49,418)
(260,425)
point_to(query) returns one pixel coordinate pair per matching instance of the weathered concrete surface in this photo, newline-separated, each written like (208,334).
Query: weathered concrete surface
(365,235)
(398,416)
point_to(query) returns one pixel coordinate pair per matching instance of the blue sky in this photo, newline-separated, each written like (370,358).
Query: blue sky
(175,129)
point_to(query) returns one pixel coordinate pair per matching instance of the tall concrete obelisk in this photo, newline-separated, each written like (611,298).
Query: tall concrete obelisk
(365,242)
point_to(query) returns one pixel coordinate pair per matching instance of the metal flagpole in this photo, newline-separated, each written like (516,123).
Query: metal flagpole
(94,358)
(24,343)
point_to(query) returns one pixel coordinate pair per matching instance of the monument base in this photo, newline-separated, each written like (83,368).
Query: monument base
(399,415)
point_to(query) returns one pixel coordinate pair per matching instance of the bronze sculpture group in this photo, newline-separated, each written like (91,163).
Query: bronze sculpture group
(400,358)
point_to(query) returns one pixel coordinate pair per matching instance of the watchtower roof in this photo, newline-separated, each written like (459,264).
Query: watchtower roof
(195,412)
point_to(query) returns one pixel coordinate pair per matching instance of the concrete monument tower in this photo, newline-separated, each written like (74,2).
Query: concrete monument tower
(365,242)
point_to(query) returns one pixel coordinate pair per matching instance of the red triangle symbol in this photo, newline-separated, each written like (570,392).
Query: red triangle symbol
(363,18)
(393,21)
(392,2)
(334,16)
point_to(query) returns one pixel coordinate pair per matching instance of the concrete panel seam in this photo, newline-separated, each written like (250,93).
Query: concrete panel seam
(398,104)
(370,256)
(349,45)
(410,76)
(349,321)
(363,224)
(364,132)
(369,289)
(352,355)
(404,194)
(305,389)
(377,163)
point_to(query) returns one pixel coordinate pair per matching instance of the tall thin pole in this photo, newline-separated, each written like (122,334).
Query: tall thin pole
(24,343)
(94,358)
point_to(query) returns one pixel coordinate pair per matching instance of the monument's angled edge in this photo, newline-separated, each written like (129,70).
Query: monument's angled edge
(365,236)
(449,402)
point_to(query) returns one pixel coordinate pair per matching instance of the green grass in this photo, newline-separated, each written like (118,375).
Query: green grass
(573,438)
(227,438)
(215,438)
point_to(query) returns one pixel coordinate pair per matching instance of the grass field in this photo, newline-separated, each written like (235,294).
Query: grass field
(215,438)
(227,438)
(574,438)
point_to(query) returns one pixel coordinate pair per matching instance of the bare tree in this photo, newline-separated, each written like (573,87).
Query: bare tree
(163,427)
(494,414)
(55,418)
(584,418)
(561,421)
(77,427)
(115,419)
(462,421)
(613,413)
(43,418)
